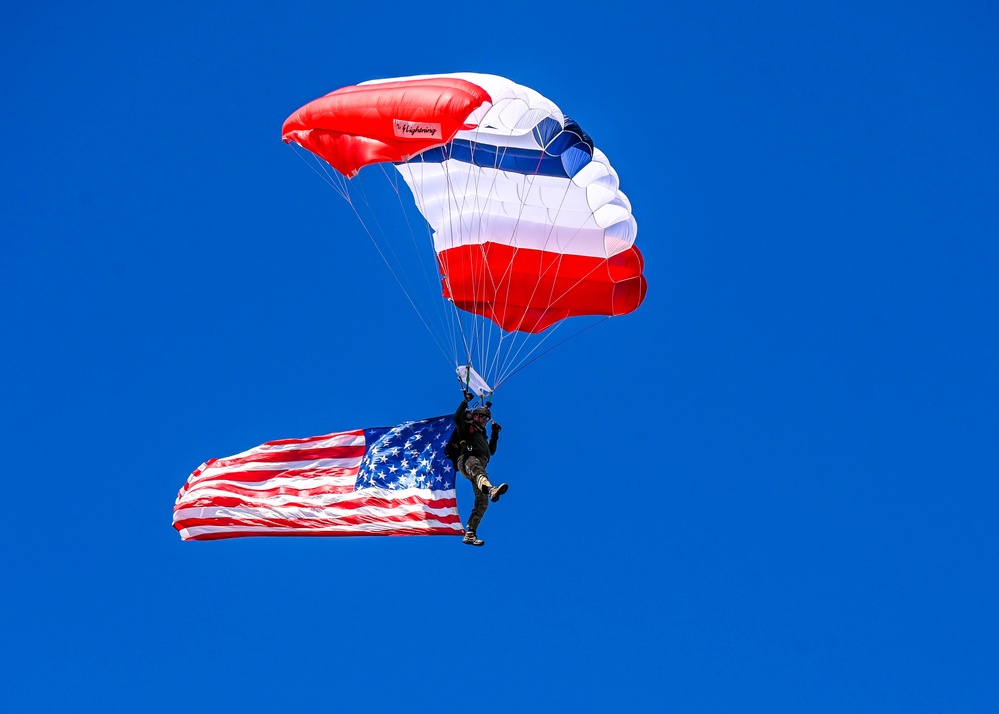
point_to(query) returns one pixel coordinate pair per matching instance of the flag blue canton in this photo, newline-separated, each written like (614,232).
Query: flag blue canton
(410,455)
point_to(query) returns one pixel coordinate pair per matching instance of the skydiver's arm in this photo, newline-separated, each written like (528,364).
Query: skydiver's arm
(494,438)
(459,414)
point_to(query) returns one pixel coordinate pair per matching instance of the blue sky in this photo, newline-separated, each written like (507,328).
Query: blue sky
(772,488)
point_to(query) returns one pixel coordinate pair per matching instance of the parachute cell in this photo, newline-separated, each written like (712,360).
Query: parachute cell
(356,126)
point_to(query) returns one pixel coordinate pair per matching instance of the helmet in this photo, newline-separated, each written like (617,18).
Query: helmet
(484,411)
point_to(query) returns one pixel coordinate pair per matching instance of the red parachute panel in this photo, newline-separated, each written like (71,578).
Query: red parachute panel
(389,121)
(527,290)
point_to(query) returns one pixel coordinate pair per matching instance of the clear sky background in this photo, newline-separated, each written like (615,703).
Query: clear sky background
(773,488)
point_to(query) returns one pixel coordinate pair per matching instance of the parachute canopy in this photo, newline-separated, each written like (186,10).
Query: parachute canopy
(527,221)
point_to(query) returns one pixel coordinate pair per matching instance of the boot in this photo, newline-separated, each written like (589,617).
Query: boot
(470,539)
(496,491)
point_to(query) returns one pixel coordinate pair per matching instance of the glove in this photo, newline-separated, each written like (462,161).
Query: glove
(497,428)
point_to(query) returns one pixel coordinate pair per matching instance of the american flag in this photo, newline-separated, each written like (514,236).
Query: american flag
(382,481)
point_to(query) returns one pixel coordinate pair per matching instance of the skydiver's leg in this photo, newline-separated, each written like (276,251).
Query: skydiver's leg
(478,511)
(476,473)
(471,468)
(481,480)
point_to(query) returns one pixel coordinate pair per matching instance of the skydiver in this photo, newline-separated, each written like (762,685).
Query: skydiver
(471,454)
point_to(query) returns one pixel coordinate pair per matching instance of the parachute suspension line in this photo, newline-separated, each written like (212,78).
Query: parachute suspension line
(457,324)
(488,328)
(569,288)
(363,198)
(458,198)
(333,178)
(515,361)
(495,359)
(447,239)
(497,353)
(524,364)
(517,346)
(454,320)
(552,297)
(469,217)
(519,341)
(343,186)
(505,340)
(421,206)
(514,364)
(460,326)
(457,216)
(421,245)
(510,338)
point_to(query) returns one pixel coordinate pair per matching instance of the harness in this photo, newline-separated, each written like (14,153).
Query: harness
(456,446)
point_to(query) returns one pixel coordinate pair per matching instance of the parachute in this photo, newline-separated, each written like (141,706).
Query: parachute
(522,211)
